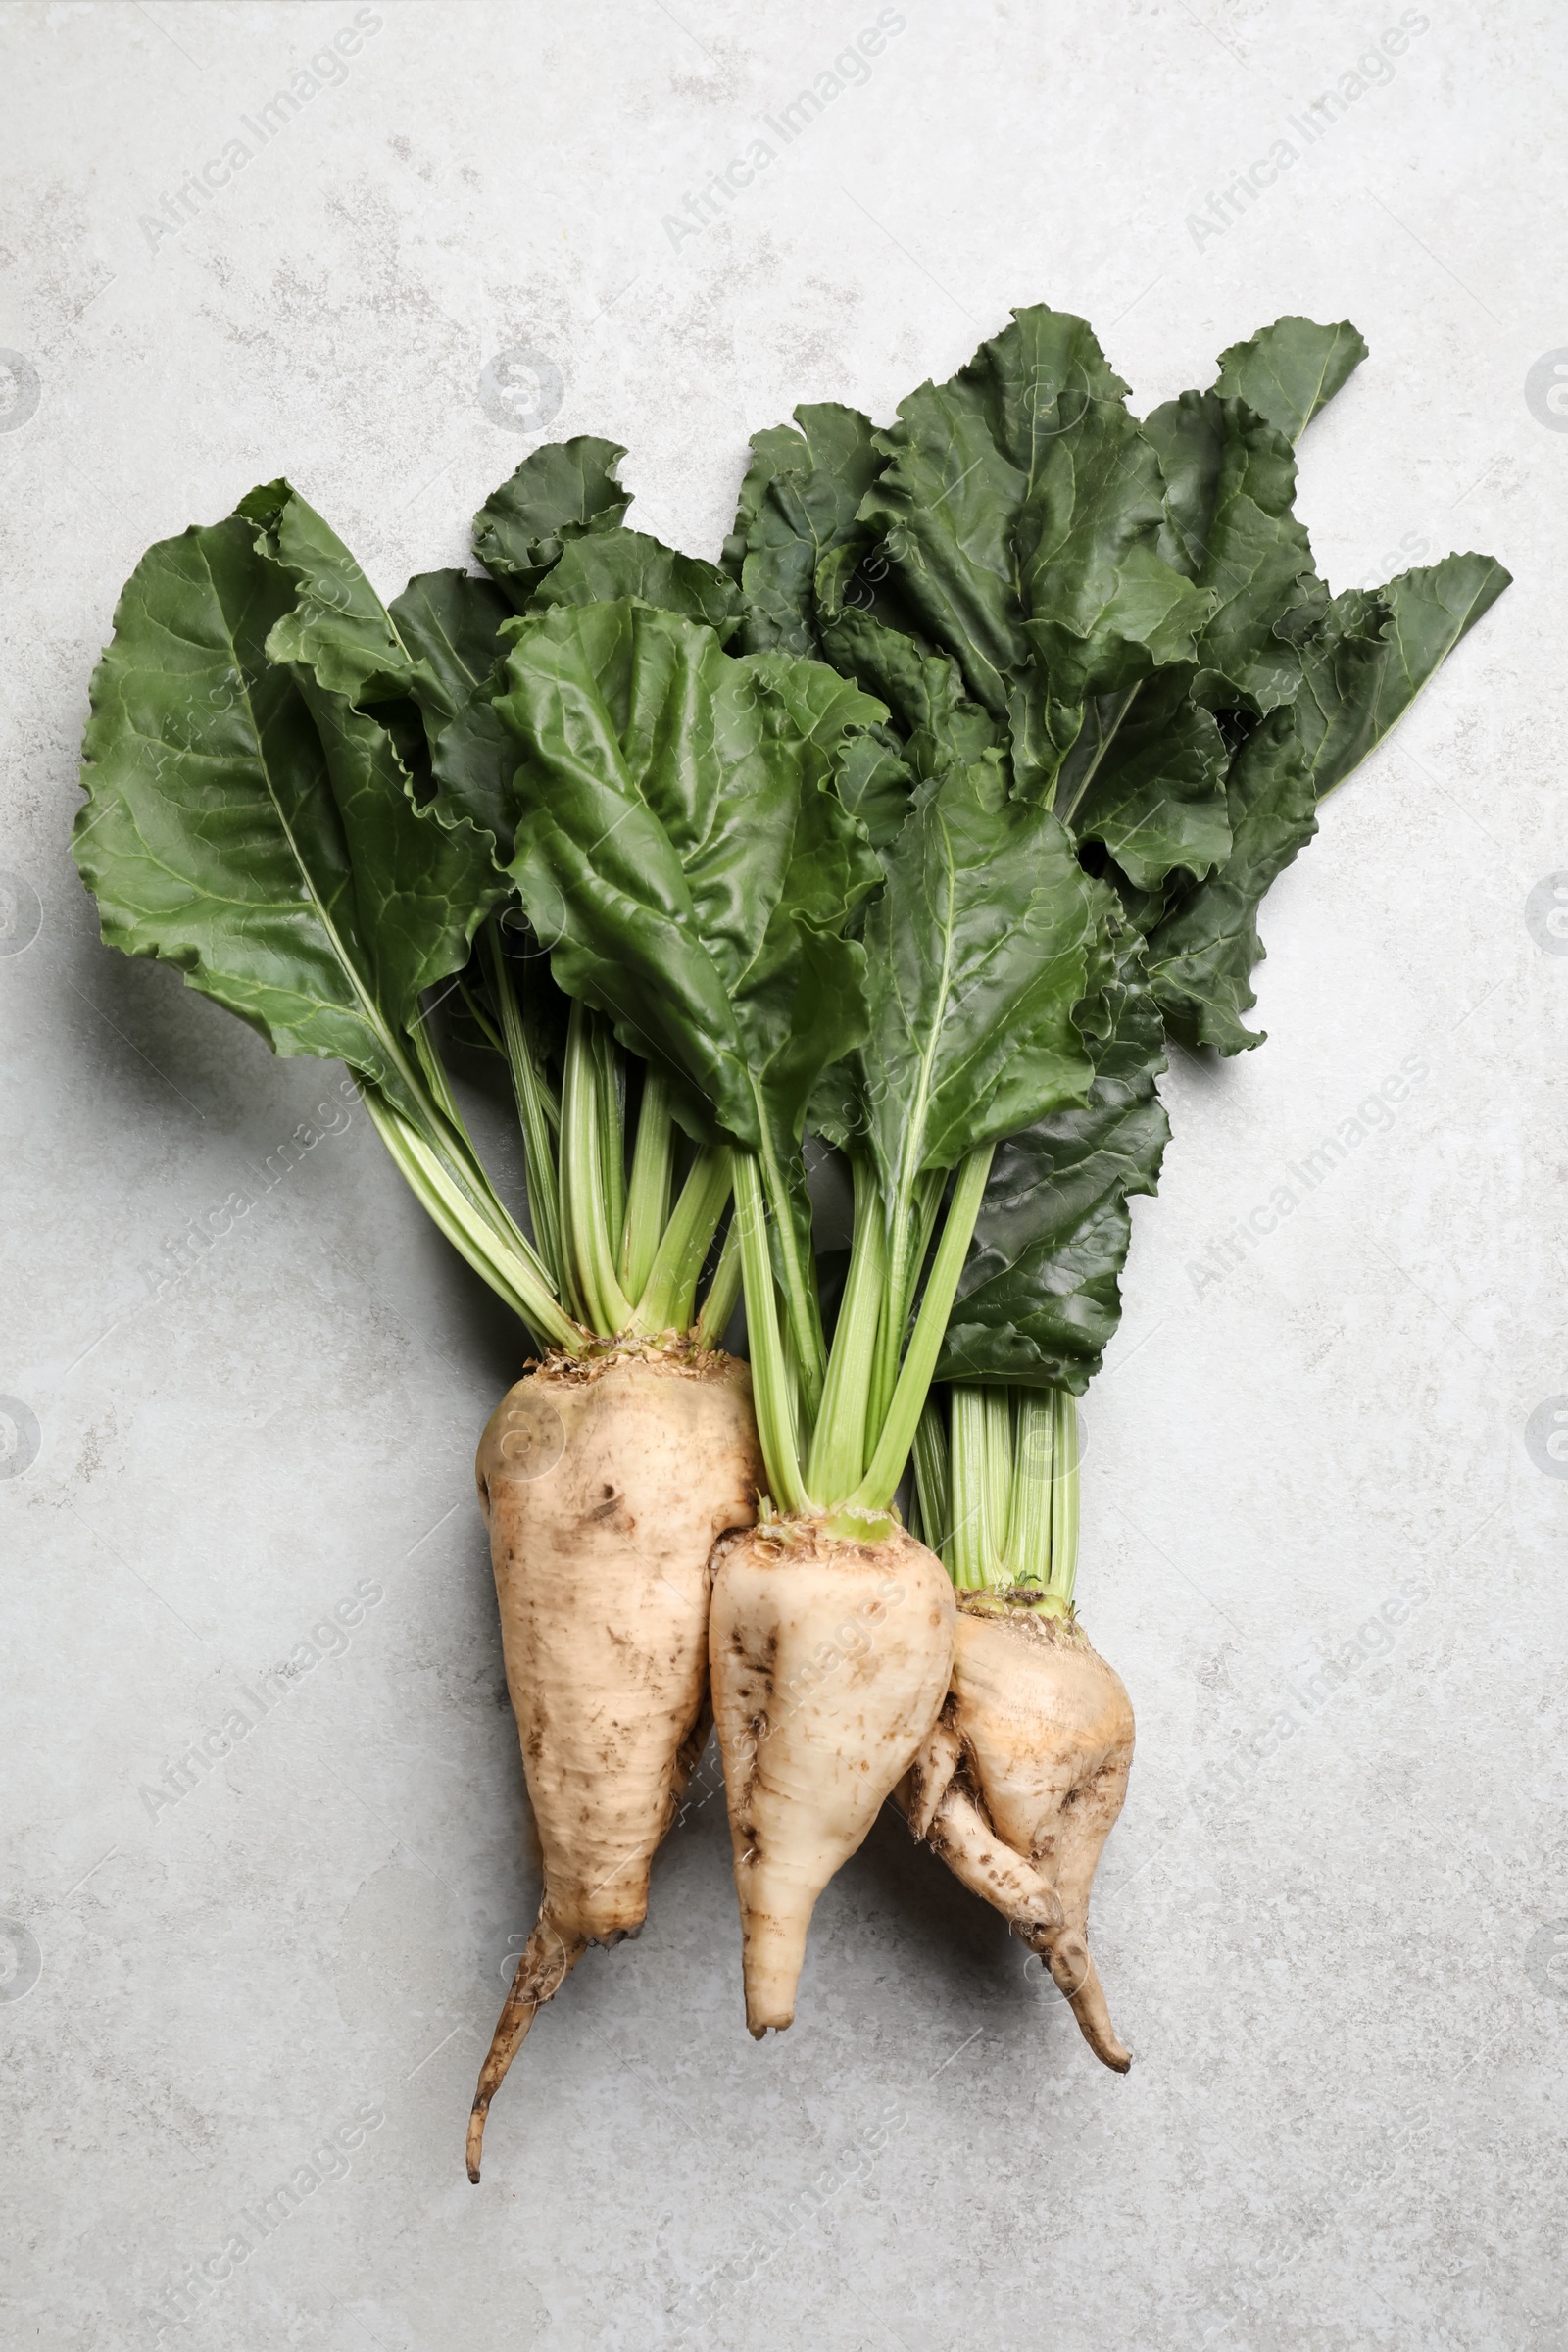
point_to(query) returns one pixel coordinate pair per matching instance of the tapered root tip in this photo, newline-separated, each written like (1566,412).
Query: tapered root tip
(760,2024)
(515,2019)
(1100,2037)
(773,1954)
(1077,1978)
(546,1961)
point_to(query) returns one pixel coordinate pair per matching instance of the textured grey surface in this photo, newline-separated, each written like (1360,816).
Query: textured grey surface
(1316,1542)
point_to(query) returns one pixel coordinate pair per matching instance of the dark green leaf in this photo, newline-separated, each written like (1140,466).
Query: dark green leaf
(1376,650)
(436,647)
(1201,955)
(1147,777)
(339,629)
(558,494)
(276,858)
(1230,483)
(605,564)
(924,692)
(427,664)
(1040,1295)
(337,626)
(776,449)
(1104,607)
(680,842)
(851,728)
(1363,666)
(1287,371)
(873,784)
(943,511)
(450,623)
(987,936)
(799,504)
(1021,511)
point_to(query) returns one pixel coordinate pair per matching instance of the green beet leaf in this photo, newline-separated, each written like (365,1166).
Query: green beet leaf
(923,691)
(337,627)
(799,505)
(680,846)
(874,781)
(450,623)
(1022,510)
(1231,484)
(435,647)
(1376,650)
(602,565)
(1287,371)
(942,511)
(1040,1295)
(434,652)
(1202,953)
(776,449)
(551,535)
(988,935)
(1146,776)
(1104,605)
(1363,666)
(1022,515)
(561,493)
(249,825)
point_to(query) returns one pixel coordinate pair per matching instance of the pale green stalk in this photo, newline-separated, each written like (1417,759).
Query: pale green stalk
(771,1379)
(653,1165)
(837,1444)
(610,1142)
(892,1451)
(724,1291)
(998,1471)
(603,1232)
(1035,1499)
(969,1551)
(932,1477)
(582,1175)
(1034,1466)
(449,1150)
(435,1076)
(797,1279)
(523,1285)
(912,1223)
(669,1297)
(1064,1498)
(533,1099)
(852,1434)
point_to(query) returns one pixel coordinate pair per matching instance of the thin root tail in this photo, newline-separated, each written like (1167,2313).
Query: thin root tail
(547,1961)
(960,1831)
(1077,1978)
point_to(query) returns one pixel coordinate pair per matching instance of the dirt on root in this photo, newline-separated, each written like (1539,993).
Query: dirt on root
(677,1353)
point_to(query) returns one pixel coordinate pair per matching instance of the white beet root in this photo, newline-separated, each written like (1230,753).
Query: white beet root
(1021,1783)
(830,1660)
(604,1487)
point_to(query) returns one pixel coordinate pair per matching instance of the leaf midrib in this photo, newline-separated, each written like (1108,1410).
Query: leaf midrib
(916,1131)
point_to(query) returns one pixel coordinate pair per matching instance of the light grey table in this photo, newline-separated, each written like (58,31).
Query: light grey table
(1322,1534)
